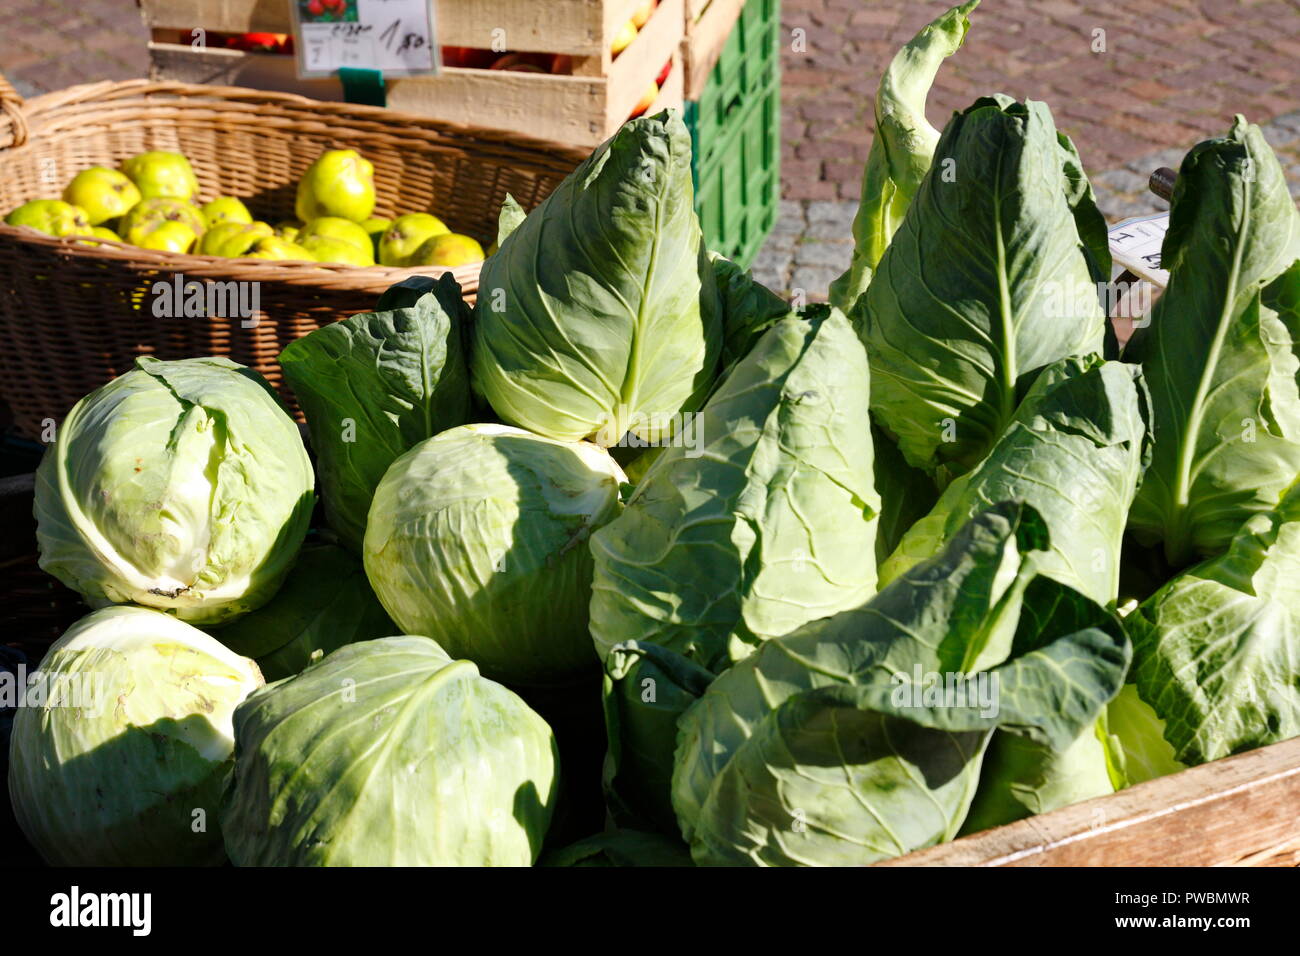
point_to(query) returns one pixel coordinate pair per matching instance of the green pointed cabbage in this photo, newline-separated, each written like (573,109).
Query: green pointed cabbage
(478,539)
(389,753)
(986,282)
(901,148)
(124,759)
(182,486)
(862,736)
(599,313)
(764,521)
(1220,354)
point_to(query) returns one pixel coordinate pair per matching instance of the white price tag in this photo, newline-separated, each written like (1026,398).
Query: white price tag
(397,37)
(1135,245)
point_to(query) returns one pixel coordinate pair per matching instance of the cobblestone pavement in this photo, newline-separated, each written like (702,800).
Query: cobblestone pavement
(1159,77)
(1123,80)
(51,44)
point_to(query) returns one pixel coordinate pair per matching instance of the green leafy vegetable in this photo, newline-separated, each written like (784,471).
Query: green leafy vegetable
(768,521)
(1075,451)
(1222,352)
(478,538)
(1217,649)
(646,689)
(836,745)
(598,316)
(986,282)
(748,309)
(389,753)
(512,214)
(375,385)
(129,742)
(325,602)
(902,149)
(182,486)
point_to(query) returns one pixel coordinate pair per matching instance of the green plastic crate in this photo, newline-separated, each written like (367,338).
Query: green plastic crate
(736,136)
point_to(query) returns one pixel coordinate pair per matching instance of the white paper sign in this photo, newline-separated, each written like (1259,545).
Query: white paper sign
(1135,245)
(398,37)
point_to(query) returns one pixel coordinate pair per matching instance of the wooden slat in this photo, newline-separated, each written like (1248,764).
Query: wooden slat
(582,110)
(1243,810)
(704,41)
(578,27)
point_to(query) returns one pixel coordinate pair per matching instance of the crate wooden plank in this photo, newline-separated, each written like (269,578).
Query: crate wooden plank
(582,110)
(1243,810)
(706,35)
(577,27)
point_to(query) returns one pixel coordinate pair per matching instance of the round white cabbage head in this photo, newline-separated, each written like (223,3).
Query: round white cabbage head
(182,486)
(477,538)
(125,741)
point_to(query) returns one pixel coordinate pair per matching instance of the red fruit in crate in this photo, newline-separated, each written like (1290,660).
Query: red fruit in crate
(453,56)
(315,7)
(257,42)
(646,101)
(523,62)
(562,64)
(663,74)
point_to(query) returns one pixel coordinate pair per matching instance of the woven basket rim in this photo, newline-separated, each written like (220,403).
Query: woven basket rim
(42,115)
(326,275)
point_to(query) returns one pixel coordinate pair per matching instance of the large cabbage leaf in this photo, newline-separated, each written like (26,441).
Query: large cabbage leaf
(766,523)
(646,689)
(325,602)
(389,753)
(1075,451)
(907,495)
(902,148)
(1217,649)
(599,313)
(986,282)
(1220,354)
(833,745)
(377,384)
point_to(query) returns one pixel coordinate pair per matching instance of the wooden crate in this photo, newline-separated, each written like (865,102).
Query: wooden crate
(708,24)
(582,109)
(1240,811)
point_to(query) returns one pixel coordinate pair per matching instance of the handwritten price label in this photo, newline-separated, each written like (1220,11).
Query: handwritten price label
(1135,245)
(397,37)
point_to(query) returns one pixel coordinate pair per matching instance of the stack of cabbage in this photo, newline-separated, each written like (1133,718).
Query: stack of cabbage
(854,579)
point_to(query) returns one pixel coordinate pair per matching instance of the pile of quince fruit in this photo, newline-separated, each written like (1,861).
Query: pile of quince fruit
(152,202)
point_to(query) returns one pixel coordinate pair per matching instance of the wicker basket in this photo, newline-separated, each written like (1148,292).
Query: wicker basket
(73,316)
